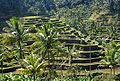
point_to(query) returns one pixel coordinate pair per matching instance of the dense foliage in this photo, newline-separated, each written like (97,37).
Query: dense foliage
(37,7)
(70,38)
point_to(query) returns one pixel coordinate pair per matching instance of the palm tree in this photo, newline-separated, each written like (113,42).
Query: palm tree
(18,31)
(14,35)
(47,43)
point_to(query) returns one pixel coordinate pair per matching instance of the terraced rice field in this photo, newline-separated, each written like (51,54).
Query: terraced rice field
(88,55)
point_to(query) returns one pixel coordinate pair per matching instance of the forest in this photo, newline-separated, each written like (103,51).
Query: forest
(59,40)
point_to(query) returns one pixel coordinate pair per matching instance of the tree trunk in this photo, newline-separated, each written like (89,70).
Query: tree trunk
(110,74)
(49,74)
(113,70)
(34,77)
(20,47)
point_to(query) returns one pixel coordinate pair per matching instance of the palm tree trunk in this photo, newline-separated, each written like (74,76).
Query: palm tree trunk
(49,75)
(34,77)
(53,64)
(114,71)
(110,74)
(20,47)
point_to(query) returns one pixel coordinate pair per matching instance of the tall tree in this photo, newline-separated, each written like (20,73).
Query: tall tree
(47,44)
(14,36)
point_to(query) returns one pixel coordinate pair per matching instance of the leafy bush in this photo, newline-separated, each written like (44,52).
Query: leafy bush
(14,77)
(117,77)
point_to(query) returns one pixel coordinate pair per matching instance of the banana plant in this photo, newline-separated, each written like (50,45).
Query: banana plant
(34,65)
(112,54)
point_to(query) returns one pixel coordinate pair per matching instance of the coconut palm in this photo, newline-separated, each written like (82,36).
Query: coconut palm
(17,29)
(13,36)
(46,43)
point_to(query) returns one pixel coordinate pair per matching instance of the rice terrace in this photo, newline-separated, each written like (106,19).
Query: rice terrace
(60,40)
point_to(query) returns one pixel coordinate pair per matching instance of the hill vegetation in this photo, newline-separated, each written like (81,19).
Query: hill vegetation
(60,40)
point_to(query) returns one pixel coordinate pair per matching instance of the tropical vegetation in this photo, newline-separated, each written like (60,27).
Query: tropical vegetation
(59,40)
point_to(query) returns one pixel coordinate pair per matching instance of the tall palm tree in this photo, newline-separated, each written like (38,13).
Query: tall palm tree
(47,43)
(17,29)
(13,36)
